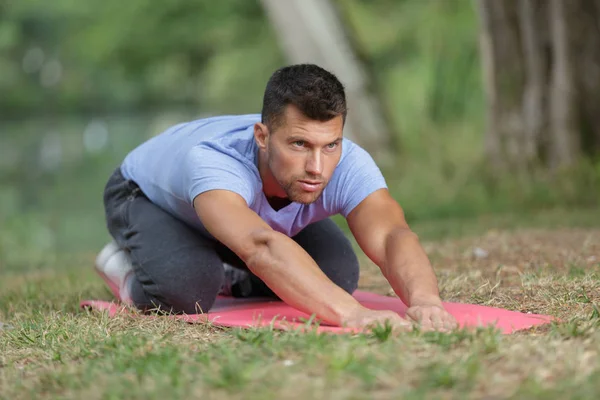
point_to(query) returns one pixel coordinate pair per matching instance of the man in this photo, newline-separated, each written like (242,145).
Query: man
(239,205)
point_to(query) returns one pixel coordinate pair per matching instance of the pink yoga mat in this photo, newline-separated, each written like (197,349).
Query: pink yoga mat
(255,312)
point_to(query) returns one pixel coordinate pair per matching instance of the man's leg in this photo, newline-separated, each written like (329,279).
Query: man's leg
(176,269)
(327,244)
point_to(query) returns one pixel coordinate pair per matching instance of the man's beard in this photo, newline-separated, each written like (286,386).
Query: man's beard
(297,195)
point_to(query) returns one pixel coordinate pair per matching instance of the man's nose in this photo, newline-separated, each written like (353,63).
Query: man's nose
(314,164)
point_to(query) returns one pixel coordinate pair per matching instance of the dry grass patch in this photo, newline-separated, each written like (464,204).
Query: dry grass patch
(55,350)
(539,271)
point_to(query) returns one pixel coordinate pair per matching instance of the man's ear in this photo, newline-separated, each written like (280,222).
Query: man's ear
(261,135)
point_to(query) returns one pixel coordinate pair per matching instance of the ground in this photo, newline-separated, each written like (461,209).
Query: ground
(49,348)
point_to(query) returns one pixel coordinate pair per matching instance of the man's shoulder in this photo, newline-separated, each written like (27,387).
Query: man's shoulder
(230,151)
(224,122)
(355,163)
(229,135)
(352,154)
(356,176)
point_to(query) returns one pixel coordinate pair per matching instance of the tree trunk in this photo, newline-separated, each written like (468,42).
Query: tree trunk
(565,138)
(535,90)
(586,42)
(541,72)
(488,63)
(503,76)
(310,31)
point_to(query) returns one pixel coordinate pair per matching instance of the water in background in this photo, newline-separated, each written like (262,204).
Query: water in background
(52,175)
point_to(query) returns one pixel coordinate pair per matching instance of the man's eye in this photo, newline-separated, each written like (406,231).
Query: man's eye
(299,143)
(332,145)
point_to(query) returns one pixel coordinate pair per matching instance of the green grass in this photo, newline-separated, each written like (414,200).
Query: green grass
(49,348)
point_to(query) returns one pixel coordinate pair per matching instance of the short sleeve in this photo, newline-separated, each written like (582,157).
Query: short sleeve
(207,169)
(356,177)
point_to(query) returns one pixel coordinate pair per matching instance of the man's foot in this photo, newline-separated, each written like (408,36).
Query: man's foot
(114,266)
(237,282)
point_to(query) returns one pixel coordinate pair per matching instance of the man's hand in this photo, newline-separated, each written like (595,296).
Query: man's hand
(432,318)
(366,318)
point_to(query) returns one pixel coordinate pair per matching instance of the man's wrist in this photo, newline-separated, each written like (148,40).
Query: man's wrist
(347,313)
(424,299)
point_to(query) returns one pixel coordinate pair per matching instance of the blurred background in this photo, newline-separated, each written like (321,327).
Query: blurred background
(472,108)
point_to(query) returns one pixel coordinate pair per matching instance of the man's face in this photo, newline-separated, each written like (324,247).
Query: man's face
(302,154)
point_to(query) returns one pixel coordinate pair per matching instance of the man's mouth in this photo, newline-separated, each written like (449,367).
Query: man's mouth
(310,185)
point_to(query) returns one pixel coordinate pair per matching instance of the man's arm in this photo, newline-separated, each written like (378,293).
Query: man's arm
(280,262)
(379,226)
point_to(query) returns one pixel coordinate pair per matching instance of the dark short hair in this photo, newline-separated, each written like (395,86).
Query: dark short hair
(317,93)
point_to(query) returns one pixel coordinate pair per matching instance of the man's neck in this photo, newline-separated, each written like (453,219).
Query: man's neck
(270,185)
(273,192)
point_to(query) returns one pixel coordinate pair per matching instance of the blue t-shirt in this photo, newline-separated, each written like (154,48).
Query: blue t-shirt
(190,158)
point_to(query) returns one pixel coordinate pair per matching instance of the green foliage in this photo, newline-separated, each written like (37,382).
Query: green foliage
(424,56)
(133,55)
(136,67)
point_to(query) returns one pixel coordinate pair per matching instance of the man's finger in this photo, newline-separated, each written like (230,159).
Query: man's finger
(426,323)
(402,325)
(414,314)
(436,320)
(449,322)
(404,322)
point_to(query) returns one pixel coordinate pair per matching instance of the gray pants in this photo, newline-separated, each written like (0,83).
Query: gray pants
(178,269)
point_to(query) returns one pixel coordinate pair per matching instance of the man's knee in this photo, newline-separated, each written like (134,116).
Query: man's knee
(331,249)
(344,254)
(341,264)
(349,273)
(193,302)
(176,296)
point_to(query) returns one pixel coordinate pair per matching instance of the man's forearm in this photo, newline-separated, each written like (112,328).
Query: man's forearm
(294,276)
(408,270)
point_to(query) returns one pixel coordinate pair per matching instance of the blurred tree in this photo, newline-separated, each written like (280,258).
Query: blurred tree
(541,65)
